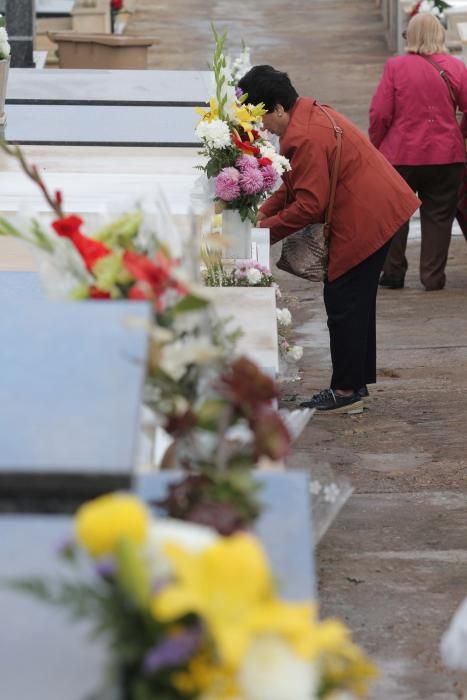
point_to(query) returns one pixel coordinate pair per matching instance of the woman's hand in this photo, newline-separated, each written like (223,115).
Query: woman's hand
(260,216)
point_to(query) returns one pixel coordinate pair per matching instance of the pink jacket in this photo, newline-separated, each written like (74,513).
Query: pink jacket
(412,116)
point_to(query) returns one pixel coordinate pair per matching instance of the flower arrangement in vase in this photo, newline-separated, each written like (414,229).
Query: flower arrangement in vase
(241,162)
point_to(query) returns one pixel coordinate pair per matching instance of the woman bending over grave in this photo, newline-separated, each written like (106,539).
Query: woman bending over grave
(371,203)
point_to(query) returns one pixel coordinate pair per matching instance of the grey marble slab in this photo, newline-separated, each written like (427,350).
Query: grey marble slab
(51,8)
(285,526)
(43,655)
(101,125)
(117,87)
(70,396)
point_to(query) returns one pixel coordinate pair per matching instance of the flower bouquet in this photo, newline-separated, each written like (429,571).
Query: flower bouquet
(189,615)
(433,7)
(219,410)
(240,160)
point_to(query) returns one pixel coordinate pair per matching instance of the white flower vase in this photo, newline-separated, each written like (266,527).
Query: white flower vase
(4,68)
(238,235)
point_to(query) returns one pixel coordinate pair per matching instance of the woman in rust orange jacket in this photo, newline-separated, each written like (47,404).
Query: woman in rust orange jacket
(372,202)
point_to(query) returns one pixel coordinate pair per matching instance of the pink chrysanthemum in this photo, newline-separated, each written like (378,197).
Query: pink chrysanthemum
(251,181)
(246,163)
(269,176)
(227,184)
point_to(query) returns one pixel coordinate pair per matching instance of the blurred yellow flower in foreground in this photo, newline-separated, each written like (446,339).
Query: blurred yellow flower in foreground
(101,523)
(229,586)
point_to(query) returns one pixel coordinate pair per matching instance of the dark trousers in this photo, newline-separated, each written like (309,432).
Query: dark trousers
(350,303)
(438,188)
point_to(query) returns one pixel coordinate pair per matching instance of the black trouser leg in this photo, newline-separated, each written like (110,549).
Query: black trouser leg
(350,302)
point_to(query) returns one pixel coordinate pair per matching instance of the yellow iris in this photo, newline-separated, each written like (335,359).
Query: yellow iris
(101,523)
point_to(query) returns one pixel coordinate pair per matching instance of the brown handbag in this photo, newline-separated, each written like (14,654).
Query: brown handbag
(305,253)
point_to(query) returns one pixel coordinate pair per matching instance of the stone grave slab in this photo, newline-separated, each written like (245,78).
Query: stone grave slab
(43,655)
(70,399)
(101,125)
(284,527)
(152,88)
(62,662)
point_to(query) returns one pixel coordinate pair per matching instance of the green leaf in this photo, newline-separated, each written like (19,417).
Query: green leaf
(188,304)
(120,233)
(109,272)
(80,292)
(132,573)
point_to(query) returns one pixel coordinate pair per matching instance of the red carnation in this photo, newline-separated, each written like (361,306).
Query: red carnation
(264,161)
(90,250)
(116,5)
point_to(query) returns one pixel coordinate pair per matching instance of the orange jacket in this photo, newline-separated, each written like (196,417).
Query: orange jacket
(372,200)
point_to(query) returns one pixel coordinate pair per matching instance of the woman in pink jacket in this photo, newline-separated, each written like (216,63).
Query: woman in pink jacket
(413,123)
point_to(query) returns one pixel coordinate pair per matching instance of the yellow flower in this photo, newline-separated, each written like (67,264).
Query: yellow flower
(100,524)
(248,115)
(223,584)
(347,668)
(207,679)
(208,115)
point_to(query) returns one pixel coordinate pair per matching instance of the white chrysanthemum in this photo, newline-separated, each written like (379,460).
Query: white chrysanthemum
(272,671)
(253,276)
(284,317)
(215,134)
(190,536)
(279,163)
(294,353)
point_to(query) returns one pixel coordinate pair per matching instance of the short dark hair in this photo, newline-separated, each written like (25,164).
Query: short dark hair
(270,86)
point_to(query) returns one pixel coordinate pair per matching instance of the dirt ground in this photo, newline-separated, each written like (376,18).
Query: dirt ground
(394,564)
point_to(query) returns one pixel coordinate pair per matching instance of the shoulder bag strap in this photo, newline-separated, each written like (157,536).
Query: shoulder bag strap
(444,77)
(335,168)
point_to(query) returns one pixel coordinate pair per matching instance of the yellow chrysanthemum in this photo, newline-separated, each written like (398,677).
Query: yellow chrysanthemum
(224,584)
(208,115)
(101,523)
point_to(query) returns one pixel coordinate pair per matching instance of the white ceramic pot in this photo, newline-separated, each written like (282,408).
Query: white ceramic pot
(238,235)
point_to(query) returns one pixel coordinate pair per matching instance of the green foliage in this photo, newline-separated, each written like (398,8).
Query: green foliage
(132,574)
(120,233)
(188,304)
(219,64)
(110,272)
